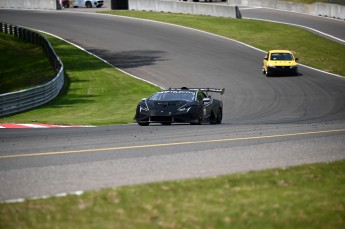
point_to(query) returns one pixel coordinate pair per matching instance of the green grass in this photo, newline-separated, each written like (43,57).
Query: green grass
(309,196)
(311,49)
(94,94)
(34,69)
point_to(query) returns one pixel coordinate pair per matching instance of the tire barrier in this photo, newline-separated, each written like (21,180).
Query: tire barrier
(19,101)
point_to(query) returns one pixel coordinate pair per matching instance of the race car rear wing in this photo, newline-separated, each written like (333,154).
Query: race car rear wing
(216,90)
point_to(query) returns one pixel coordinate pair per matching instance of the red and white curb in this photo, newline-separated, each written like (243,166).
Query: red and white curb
(21,126)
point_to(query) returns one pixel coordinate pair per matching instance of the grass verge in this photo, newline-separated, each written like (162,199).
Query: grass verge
(311,49)
(34,70)
(94,93)
(308,196)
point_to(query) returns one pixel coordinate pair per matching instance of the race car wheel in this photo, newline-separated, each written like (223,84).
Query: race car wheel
(219,116)
(267,73)
(213,118)
(216,118)
(200,116)
(143,123)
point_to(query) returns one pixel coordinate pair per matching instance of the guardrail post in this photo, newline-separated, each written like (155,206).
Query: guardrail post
(20,33)
(15,31)
(5,28)
(27,35)
(24,35)
(238,13)
(37,39)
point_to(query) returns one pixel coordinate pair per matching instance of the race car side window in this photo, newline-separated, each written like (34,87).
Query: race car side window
(201,96)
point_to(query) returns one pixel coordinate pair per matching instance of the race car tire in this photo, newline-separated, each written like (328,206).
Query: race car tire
(267,74)
(213,118)
(219,116)
(200,116)
(143,123)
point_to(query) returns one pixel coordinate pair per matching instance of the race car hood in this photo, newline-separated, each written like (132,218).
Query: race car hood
(165,105)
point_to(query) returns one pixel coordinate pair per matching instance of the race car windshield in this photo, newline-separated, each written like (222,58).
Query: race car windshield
(173,96)
(281,56)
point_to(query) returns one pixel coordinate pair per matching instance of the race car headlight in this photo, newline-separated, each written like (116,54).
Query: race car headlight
(144,107)
(184,109)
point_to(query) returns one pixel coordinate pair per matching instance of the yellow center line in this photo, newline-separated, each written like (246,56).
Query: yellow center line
(171,144)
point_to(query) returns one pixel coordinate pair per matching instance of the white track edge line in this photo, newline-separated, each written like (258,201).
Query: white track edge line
(63,194)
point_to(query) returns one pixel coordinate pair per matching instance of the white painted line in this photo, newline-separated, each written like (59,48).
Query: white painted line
(301,26)
(19,200)
(33,125)
(21,126)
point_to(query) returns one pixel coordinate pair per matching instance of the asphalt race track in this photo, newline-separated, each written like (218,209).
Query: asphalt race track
(268,122)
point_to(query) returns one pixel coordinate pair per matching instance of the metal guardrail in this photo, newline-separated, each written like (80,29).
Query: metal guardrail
(18,101)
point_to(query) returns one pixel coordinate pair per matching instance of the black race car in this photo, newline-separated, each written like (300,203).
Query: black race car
(180,105)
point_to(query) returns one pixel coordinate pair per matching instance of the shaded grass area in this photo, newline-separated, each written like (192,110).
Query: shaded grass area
(309,196)
(94,93)
(22,65)
(311,49)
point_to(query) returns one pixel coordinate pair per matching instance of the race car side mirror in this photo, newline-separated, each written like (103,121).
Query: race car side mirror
(296,59)
(206,100)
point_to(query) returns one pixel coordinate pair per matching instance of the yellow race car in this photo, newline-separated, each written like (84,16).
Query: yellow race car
(279,62)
